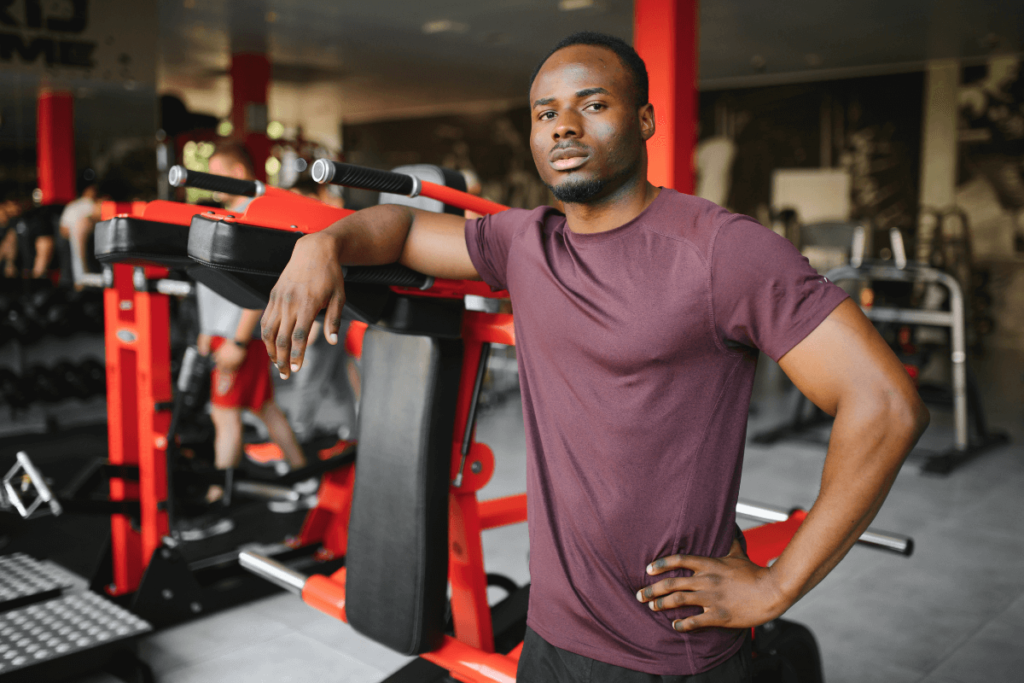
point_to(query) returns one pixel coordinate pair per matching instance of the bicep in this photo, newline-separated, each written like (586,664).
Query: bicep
(845,358)
(436,246)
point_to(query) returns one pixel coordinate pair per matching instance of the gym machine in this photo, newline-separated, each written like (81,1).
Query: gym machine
(162,578)
(424,360)
(972,436)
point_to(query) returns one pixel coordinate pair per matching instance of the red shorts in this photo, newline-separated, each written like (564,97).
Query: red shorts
(248,387)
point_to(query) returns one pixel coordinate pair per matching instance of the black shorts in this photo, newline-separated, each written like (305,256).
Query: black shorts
(542,662)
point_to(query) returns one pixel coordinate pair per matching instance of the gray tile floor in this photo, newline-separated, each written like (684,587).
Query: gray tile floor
(954,612)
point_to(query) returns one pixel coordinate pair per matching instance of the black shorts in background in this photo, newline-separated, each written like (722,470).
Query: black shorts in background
(542,662)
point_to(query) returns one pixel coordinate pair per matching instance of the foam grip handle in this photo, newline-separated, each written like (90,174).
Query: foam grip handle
(337,173)
(392,275)
(179,176)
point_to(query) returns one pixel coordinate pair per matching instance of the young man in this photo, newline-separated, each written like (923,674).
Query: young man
(640,314)
(241,376)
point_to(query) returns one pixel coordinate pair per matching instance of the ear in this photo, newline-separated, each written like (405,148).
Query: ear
(646,114)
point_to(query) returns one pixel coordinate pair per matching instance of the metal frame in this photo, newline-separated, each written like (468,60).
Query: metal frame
(964,448)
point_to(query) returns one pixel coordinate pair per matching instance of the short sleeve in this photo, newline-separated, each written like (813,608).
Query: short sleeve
(764,293)
(489,240)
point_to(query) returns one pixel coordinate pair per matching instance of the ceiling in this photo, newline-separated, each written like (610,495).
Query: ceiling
(357,60)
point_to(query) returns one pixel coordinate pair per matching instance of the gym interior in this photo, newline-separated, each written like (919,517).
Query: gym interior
(176,510)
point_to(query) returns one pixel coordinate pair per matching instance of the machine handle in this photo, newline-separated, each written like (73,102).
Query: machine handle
(882,540)
(179,176)
(325,171)
(274,572)
(392,275)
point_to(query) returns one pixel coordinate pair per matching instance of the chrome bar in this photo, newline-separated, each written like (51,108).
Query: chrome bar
(882,540)
(274,572)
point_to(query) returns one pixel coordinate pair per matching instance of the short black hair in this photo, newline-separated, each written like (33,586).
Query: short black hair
(625,52)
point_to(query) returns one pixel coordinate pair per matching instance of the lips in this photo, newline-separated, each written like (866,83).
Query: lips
(568,158)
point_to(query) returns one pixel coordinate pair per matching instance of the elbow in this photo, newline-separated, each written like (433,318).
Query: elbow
(910,417)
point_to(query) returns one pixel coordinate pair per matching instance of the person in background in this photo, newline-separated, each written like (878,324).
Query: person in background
(77,222)
(241,376)
(10,209)
(330,369)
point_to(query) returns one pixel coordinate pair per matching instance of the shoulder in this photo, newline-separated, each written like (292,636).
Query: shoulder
(513,223)
(693,220)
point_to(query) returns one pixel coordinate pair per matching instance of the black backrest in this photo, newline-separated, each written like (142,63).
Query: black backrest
(397,555)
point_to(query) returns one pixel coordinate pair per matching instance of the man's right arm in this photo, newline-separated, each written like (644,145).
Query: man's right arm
(431,243)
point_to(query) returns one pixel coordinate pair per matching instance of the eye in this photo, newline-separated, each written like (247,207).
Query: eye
(596,106)
(546,115)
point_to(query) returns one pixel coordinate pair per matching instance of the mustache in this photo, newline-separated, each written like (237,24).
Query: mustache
(569,144)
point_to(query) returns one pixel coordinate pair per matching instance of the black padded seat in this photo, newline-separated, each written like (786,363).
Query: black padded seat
(397,556)
(138,241)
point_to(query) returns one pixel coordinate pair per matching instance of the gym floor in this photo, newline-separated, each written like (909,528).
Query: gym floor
(953,612)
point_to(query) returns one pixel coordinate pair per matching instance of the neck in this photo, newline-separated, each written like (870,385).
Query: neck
(618,207)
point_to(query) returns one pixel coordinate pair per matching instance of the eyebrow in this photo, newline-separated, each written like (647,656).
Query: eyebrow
(580,94)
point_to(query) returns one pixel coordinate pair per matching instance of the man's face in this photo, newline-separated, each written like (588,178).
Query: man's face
(221,164)
(587,134)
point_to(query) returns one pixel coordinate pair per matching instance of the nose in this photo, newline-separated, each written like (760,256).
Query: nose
(568,125)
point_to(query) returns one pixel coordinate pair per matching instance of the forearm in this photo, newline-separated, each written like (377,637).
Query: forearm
(44,253)
(868,445)
(247,323)
(373,236)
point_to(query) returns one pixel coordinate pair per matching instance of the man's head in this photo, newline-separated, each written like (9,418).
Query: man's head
(590,117)
(231,158)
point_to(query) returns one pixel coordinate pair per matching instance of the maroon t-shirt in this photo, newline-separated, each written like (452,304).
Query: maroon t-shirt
(636,351)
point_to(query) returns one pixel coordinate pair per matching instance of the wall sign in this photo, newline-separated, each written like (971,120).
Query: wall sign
(80,39)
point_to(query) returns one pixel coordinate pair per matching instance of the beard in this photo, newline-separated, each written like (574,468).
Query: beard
(578,191)
(586,190)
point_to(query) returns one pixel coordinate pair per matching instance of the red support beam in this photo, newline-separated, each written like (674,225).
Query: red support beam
(250,81)
(665,35)
(55,146)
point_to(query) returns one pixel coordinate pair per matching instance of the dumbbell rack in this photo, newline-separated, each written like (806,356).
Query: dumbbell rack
(38,418)
(52,628)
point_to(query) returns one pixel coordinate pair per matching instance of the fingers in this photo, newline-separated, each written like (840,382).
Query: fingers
(269,324)
(708,619)
(664,564)
(667,586)
(332,316)
(676,600)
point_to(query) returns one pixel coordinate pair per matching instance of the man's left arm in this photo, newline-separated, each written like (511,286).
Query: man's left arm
(230,356)
(847,370)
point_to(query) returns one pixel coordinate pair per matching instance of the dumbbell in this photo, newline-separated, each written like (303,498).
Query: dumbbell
(72,381)
(20,325)
(93,375)
(12,390)
(43,384)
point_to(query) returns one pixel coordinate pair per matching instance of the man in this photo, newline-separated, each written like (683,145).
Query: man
(639,316)
(241,376)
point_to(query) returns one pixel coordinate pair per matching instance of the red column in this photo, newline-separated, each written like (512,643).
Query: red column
(55,146)
(665,35)
(250,80)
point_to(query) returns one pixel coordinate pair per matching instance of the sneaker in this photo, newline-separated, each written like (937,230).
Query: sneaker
(283,507)
(307,487)
(204,526)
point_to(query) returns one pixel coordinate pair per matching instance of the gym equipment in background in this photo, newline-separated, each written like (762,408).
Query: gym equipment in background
(972,435)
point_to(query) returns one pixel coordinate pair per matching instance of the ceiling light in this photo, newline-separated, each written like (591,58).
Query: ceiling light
(445,25)
(570,5)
